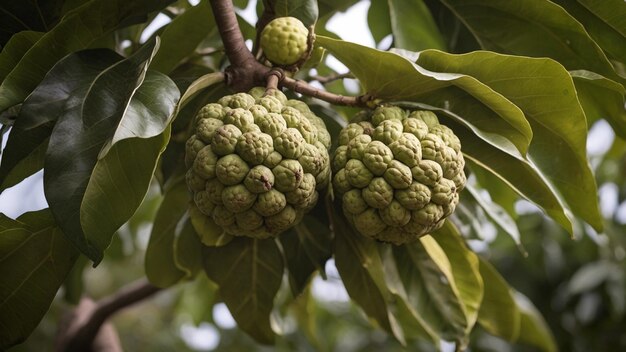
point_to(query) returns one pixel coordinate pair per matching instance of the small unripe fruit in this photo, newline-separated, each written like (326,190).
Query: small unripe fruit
(284,40)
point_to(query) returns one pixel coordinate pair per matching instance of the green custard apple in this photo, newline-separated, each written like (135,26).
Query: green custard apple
(256,162)
(398,173)
(284,40)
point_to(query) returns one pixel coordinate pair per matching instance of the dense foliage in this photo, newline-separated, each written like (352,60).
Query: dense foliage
(105,108)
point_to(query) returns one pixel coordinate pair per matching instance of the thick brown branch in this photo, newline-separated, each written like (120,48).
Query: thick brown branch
(245,72)
(303,87)
(88,318)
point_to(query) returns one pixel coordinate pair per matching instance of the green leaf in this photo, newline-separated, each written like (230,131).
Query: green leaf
(613,12)
(146,116)
(391,77)
(181,37)
(601,98)
(544,91)
(534,330)
(304,10)
(427,276)
(187,250)
(36,15)
(15,49)
(88,121)
(76,31)
(35,258)
(465,270)
(536,28)
(378,20)
(206,229)
(28,140)
(498,314)
(520,176)
(306,248)
(197,86)
(359,265)
(413,26)
(409,318)
(249,273)
(117,186)
(499,191)
(603,33)
(160,264)
(499,216)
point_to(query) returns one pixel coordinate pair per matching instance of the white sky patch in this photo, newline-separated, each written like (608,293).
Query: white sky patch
(608,193)
(222,317)
(24,197)
(352,25)
(331,290)
(201,338)
(159,21)
(249,13)
(600,138)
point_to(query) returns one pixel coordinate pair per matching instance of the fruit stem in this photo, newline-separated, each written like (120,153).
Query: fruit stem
(246,72)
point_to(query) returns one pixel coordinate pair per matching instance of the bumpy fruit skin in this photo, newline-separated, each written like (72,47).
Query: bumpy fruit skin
(284,40)
(398,173)
(255,162)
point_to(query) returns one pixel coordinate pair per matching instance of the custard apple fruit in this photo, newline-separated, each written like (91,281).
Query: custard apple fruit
(284,40)
(398,173)
(256,162)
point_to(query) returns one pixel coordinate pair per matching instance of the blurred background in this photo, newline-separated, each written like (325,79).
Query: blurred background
(577,283)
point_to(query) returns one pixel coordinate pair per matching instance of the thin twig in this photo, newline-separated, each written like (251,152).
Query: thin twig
(82,332)
(331,78)
(305,88)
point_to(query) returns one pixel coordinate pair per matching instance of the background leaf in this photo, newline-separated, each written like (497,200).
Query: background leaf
(15,49)
(160,264)
(536,28)
(413,26)
(306,248)
(465,269)
(429,283)
(304,10)
(533,328)
(35,258)
(248,272)
(498,313)
(601,98)
(181,37)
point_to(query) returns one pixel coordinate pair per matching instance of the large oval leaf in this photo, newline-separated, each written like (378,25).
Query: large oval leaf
(89,119)
(427,277)
(35,258)
(498,313)
(29,136)
(118,185)
(537,28)
(249,273)
(465,269)
(391,77)
(544,91)
(361,270)
(76,31)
